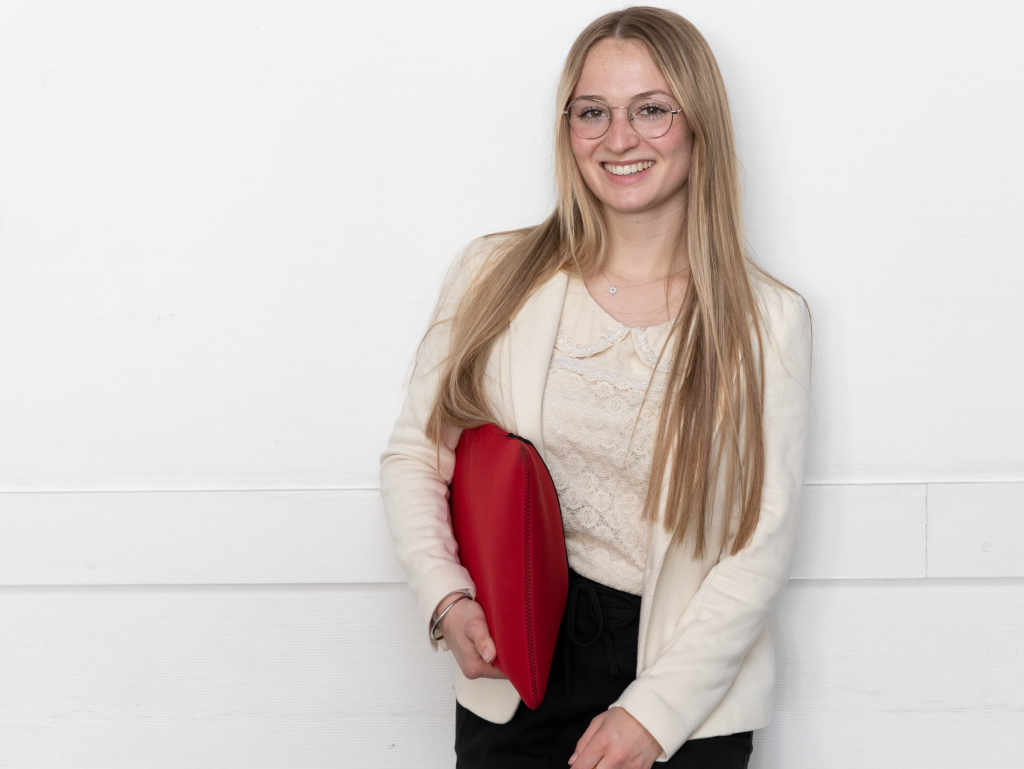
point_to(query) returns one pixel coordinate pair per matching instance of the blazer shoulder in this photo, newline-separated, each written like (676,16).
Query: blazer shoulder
(780,306)
(472,261)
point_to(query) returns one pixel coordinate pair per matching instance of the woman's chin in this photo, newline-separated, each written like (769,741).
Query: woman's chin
(633,204)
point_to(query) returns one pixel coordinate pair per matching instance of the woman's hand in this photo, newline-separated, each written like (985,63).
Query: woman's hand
(464,627)
(615,740)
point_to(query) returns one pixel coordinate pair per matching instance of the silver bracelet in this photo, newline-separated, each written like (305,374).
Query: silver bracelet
(441,616)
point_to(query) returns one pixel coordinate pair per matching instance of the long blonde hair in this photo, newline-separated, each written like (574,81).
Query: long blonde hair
(712,415)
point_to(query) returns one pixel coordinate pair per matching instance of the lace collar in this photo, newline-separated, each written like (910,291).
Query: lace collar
(586,329)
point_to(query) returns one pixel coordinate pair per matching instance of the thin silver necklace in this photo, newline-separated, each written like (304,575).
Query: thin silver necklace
(612,288)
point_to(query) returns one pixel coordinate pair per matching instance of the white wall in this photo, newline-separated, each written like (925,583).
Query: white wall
(222,227)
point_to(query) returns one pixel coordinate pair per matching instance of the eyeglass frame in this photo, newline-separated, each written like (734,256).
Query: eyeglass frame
(672,113)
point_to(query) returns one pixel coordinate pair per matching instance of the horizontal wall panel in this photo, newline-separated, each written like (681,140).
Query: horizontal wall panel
(220,677)
(910,673)
(267,537)
(341,676)
(976,530)
(195,538)
(861,532)
(338,536)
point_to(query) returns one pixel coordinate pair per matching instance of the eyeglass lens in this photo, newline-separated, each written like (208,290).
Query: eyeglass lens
(590,119)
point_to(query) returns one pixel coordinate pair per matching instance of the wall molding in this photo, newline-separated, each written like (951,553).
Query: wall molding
(339,536)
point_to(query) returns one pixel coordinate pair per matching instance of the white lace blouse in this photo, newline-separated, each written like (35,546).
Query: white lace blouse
(599,371)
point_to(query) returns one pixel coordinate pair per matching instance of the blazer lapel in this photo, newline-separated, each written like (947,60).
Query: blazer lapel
(532,340)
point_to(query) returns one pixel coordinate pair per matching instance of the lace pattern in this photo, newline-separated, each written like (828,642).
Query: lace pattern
(601,466)
(645,348)
(565,345)
(596,373)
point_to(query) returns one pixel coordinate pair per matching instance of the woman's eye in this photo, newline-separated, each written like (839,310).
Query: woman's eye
(652,110)
(591,114)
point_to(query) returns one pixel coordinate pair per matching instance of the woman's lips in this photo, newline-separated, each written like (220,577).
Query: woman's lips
(626,175)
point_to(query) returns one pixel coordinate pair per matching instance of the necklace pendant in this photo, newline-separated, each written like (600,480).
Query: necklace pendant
(612,290)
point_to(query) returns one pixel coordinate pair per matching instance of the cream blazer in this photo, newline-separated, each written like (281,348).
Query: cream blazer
(705,663)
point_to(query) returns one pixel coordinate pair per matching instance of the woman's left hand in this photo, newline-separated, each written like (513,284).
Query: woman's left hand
(615,740)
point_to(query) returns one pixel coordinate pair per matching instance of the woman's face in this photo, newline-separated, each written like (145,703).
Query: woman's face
(618,72)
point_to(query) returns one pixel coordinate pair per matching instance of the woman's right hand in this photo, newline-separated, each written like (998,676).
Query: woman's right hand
(464,627)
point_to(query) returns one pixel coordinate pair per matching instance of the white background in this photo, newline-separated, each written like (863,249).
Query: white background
(222,228)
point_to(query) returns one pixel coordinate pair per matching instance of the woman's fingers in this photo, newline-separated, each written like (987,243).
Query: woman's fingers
(581,745)
(616,740)
(479,637)
(470,640)
(478,632)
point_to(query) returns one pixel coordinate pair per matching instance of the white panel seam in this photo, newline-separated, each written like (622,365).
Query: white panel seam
(328,489)
(927,516)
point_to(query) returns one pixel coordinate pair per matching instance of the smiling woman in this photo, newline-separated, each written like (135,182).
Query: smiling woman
(664,379)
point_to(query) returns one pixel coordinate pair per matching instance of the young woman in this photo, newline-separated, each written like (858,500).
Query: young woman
(664,379)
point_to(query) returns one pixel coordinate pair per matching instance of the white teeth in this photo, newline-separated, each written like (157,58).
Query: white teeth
(630,169)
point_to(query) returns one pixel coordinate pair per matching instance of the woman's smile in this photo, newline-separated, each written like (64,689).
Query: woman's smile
(627,172)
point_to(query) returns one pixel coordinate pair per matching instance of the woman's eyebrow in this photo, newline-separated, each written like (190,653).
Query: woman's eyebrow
(643,95)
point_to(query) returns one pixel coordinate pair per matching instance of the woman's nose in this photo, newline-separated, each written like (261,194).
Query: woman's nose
(621,136)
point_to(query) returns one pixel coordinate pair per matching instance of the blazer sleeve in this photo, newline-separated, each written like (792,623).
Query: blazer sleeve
(674,696)
(414,485)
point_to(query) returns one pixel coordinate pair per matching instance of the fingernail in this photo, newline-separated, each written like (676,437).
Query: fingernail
(488,655)
(572,758)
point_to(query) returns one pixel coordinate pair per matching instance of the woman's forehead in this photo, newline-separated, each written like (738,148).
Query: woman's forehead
(617,70)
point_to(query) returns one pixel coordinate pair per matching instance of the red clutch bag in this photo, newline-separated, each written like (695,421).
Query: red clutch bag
(507,522)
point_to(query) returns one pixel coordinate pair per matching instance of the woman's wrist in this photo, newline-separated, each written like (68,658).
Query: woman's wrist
(441,610)
(447,600)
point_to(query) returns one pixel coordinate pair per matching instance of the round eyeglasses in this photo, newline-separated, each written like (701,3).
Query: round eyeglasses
(590,118)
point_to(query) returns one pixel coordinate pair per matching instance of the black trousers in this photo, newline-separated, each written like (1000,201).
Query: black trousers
(595,660)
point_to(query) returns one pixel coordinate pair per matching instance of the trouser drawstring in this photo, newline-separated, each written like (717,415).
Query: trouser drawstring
(616,601)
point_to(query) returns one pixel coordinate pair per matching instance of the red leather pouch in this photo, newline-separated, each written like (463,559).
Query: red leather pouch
(508,525)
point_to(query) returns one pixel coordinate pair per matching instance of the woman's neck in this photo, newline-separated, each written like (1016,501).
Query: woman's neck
(644,246)
(642,249)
